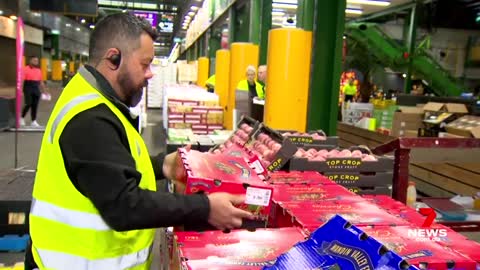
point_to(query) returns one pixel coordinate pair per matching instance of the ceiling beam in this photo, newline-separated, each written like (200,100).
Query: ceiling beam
(385,12)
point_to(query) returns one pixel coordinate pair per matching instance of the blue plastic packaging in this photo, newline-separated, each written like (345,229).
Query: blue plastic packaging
(339,245)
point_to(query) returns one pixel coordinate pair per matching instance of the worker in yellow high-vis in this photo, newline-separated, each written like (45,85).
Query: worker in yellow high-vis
(349,91)
(246,90)
(95,201)
(210,84)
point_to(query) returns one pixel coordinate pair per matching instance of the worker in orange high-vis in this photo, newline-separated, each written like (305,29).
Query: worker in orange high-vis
(33,86)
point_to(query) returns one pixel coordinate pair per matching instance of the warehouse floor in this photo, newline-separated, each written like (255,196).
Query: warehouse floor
(29,146)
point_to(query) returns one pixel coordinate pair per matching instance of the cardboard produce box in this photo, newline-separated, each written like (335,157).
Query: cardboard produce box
(209,173)
(456,108)
(242,250)
(466,126)
(379,190)
(421,251)
(407,119)
(297,178)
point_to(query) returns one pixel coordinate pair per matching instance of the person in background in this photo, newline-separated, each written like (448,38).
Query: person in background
(246,90)
(262,77)
(210,84)
(95,201)
(33,87)
(349,91)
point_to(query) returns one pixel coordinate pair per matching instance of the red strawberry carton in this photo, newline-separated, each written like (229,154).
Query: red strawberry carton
(415,246)
(242,250)
(209,173)
(359,214)
(201,239)
(296,177)
(313,193)
(384,201)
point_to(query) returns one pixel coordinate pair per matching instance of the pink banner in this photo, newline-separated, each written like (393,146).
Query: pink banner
(18,95)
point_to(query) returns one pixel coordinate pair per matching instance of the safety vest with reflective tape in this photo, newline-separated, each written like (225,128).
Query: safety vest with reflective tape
(67,230)
(243,86)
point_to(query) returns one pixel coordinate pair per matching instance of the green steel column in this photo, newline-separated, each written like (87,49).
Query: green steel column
(56,47)
(255,21)
(242,33)
(326,68)
(214,44)
(305,14)
(232,16)
(201,45)
(266,25)
(300,13)
(411,38)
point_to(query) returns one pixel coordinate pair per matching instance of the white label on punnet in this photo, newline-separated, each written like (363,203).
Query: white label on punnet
(258,196)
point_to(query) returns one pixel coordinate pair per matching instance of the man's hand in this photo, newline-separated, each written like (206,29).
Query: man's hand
(171,168)
(223,214)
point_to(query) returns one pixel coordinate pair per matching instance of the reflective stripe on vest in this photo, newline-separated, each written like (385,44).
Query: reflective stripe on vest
(74,102)
(60,260)
(77,219)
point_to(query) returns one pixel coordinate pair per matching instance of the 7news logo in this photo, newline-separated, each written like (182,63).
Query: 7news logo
(426,233)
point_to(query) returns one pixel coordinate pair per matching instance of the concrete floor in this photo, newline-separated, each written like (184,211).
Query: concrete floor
(28,149)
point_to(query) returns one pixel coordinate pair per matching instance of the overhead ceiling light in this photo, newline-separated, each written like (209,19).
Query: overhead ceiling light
(68,25)
(36,14)
(1,12)
(353,11)
(83,21)
(78,29)
(370,2)
(13,17)
(404,75)
(194,8)
(156,43)
(191,13)
(55,32)
(284,6)
(187,16)
(124,11)
(92,26)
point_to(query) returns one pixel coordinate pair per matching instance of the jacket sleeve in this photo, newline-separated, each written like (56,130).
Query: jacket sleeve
(100,166)
(157,163)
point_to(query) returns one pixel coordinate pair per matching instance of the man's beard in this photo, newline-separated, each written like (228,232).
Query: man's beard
(133,92)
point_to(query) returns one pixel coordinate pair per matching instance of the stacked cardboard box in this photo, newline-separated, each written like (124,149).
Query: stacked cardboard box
(467,126)
(407,121)
(193,108)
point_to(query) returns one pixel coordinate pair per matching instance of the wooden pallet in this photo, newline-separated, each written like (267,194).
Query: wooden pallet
(433,176)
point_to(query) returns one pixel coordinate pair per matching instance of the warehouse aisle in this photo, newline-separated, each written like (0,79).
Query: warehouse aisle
(29,146)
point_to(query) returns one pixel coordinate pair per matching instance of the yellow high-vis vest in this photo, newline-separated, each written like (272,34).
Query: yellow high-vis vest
(243,86)
(67,230)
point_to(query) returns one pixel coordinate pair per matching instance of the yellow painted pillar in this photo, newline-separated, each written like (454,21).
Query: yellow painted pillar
(202,73)
(222,78)
(71,66)
(288,64)
(57,70)
(44,68)
(242,55)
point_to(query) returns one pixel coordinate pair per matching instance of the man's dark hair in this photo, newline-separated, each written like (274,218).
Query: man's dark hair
(120,30)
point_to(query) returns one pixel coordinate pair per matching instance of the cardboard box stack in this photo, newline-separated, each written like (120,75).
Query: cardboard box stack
(355,168)
(407,121)
(193,108)
(467,126)
(187,71)
(165,73)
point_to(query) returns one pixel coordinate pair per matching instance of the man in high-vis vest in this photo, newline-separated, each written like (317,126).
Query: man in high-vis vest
(210,84)
(246,90)
(95,203)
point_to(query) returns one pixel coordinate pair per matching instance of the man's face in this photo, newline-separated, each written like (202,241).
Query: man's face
(262,73)
(251,76)
(34,61)
(135,72)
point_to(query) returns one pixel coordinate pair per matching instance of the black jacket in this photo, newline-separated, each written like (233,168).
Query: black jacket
(98,161)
